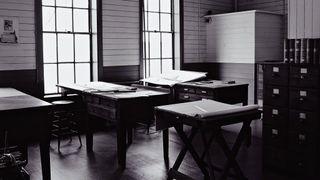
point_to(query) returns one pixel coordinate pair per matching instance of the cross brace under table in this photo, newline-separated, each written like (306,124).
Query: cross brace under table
(207,167)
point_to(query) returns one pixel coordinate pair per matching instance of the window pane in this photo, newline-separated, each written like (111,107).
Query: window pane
(50,78)
(81,23)
(66,73)
(82,73)
(64,19)
(48,2)
(166,65)
(154,45)
(153,22)
(146,45)
(153,5)
(147,70)
(165,6)
(80,3)
(155,68)
(66,3)
(65,47)
(82,48)
(165,22)
(48,19)
(166,45)
(49,47)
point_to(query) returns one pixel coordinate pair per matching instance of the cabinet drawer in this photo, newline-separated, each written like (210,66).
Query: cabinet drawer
(185,89)
(188,97)
(275,116)
(204,92)
(304,76)
(275,158)
(302,141)
(276,96)
(274,136)
(276,74)
(303,164)
(303,121)
(306,99)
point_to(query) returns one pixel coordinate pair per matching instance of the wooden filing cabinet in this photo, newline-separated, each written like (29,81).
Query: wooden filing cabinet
(290,118)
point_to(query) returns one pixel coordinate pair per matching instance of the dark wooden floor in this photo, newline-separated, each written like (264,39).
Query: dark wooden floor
(144,158)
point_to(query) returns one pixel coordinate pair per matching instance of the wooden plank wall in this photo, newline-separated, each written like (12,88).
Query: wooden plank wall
(195,38)
(304,21)
(276,6)
(19,56)
(120,32)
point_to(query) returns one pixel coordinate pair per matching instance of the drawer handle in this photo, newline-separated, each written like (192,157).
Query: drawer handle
(185,89)
(301,99)
(275,75)
(186,97)
(274,116)
(204,92)
(275,95)
(302,77)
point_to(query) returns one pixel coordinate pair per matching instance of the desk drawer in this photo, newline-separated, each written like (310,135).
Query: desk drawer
(306,99)
(275,158)
(101,111)
(276,96)
(303,164)
(188,97)
(276,74)
(274,136)
(303,121)
(302,141)
(204,92)
(275,116)
(185,89)
(304,76)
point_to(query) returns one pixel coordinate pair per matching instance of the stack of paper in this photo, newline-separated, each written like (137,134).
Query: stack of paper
(174,76)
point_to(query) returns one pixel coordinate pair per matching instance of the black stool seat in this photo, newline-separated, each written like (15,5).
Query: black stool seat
(64,123)
(202,116)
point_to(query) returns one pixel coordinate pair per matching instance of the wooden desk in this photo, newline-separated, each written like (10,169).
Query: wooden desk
(124,108)
(212,89)
(27,117)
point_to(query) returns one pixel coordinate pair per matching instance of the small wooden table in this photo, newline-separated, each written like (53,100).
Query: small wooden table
(27,118)
(124,108)
(207,116)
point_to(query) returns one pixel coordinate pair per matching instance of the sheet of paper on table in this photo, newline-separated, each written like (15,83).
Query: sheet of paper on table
(173,77)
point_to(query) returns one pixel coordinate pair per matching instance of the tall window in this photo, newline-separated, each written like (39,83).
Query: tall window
(66,42)
(157,36)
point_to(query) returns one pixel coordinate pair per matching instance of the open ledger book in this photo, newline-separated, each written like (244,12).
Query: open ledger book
(173,77)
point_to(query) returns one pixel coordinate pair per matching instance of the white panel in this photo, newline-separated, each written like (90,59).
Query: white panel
(308,19)
(300,18)
(292,22)
(316,19)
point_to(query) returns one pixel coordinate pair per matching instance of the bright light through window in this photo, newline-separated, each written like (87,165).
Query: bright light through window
(157,37)
(66,43)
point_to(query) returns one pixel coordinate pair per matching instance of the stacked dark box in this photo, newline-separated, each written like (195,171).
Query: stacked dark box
(301,51)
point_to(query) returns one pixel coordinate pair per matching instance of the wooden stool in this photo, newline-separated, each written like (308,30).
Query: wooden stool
(64,123)
(204,116)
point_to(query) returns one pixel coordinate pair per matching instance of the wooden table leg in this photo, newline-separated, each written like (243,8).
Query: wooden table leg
(121,143)
(45,145)
(165,138)
(89,133)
